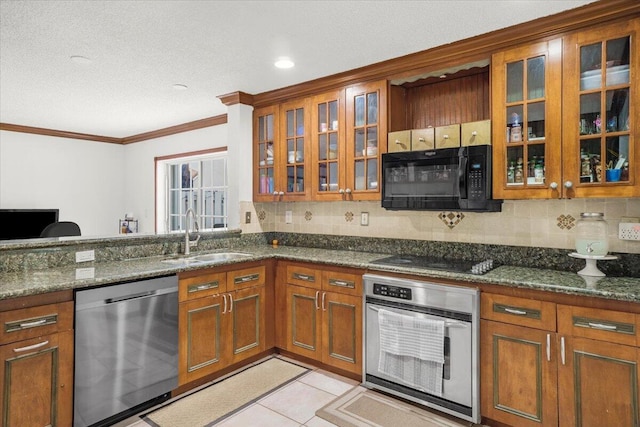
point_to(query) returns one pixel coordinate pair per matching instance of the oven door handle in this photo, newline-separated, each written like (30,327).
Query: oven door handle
(447,323)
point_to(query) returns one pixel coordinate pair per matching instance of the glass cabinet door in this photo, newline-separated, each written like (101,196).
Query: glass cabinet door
(366,138)
(295,142)
(526,110)
(264,153)
(327,145)
(602,99)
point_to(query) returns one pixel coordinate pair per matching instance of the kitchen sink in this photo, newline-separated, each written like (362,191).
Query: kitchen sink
(206,258)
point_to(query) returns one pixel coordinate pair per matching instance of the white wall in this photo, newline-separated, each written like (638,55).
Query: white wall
(84,179)
(139,167)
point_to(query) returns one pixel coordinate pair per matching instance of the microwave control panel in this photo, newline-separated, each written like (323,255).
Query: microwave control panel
(392,291)
(476,181)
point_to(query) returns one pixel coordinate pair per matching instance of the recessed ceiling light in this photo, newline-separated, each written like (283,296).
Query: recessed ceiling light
(80,59)
(284,63)
(179,86)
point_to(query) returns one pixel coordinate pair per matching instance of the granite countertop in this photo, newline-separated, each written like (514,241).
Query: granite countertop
(32,282)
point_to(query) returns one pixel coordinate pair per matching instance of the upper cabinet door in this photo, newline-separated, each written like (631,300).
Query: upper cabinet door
(526,117)
(366,139)
(294,149)
(600,101)
(265,135)
(327,146)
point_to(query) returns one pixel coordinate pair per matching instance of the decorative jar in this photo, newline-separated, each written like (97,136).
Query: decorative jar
(591,234)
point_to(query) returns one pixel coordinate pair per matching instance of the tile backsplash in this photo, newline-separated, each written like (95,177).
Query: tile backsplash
(531,223)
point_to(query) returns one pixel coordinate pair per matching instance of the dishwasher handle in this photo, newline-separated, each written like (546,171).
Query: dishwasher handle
(139,295)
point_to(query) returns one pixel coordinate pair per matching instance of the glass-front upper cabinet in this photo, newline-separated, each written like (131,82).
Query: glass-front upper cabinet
(526,121)
(265,135)
(327,133)
(601,97)
(293,150)
(366,135)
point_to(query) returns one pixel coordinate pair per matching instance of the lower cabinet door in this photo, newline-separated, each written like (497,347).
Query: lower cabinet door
(518,375)
(247,312)
(598,383)
(201,350)
(37,381)
(304,322)
(342,331)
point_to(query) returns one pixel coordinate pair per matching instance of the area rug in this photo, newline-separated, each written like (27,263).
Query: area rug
(361,407)
(222,399)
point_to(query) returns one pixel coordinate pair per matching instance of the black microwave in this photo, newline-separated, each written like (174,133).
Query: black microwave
(456,179)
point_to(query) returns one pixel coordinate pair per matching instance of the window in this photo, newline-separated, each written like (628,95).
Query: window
(196,182)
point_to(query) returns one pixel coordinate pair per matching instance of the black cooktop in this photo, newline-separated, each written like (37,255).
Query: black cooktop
(433,263)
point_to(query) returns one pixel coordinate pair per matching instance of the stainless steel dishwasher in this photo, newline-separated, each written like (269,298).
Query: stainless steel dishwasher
(126,349)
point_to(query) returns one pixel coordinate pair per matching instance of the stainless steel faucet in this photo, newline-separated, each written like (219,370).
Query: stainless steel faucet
(188,243)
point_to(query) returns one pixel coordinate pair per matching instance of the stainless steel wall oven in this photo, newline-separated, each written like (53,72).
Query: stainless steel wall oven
(450,385)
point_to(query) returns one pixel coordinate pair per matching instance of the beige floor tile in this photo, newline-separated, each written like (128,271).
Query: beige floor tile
(318,422)
(330,384)
(258,416)
(297,401)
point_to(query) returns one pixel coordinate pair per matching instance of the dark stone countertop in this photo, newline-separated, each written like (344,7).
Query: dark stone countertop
(32,282)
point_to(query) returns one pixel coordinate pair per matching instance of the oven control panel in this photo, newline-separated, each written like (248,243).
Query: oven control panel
(391,291)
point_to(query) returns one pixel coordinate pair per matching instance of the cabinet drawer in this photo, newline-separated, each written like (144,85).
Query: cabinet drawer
(423,139)
(399,141)
(33,322)
(611,326)
(247,277)
(202,286)
(304,276)
(448,136)
(342,282)
(519,311)
(476,133)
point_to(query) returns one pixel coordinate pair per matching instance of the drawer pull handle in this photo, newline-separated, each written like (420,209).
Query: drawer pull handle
(603,326)
(203,287)
(517,312)
(19,325)
(305,277)
(342,283)
(247,278)
(30,347)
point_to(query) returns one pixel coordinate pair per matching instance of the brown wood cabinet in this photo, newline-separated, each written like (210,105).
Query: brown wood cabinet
(322,147)
(324,315)
(37,366)
(563,112)
(222,319)
(582,373)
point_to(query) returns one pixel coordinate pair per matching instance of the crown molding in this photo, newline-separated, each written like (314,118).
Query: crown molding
(172,130)
(234,98)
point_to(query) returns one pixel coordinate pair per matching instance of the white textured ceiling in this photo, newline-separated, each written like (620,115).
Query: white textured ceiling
(140,49)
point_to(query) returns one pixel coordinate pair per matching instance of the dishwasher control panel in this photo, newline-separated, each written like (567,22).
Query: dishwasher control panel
(392,291)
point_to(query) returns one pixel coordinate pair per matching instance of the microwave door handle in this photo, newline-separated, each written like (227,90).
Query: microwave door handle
(462,176)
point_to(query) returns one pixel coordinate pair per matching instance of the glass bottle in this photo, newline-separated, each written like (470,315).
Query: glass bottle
(591,234)
(519,174)
(539,172)
(511,174)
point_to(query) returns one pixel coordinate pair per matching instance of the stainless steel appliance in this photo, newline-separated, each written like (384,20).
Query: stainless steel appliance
(458,308)
(126,349)
(448,178)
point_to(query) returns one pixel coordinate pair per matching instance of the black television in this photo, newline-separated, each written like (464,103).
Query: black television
(25,223)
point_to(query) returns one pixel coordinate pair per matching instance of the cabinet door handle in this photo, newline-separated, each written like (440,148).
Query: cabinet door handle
(568,184)
(474,133)
(224,296)
(324,295)
(603,326)
(421,139)
(548,347)
(562,350)
(398,141)
(317,294)
(30,347)
(230,303)
(518,312)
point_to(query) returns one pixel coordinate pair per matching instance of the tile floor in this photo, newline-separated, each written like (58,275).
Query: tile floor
(310,392)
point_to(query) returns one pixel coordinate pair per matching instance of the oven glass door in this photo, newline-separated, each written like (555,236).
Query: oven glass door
(457,373)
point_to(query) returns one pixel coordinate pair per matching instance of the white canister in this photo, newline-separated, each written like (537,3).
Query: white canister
(591,234)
